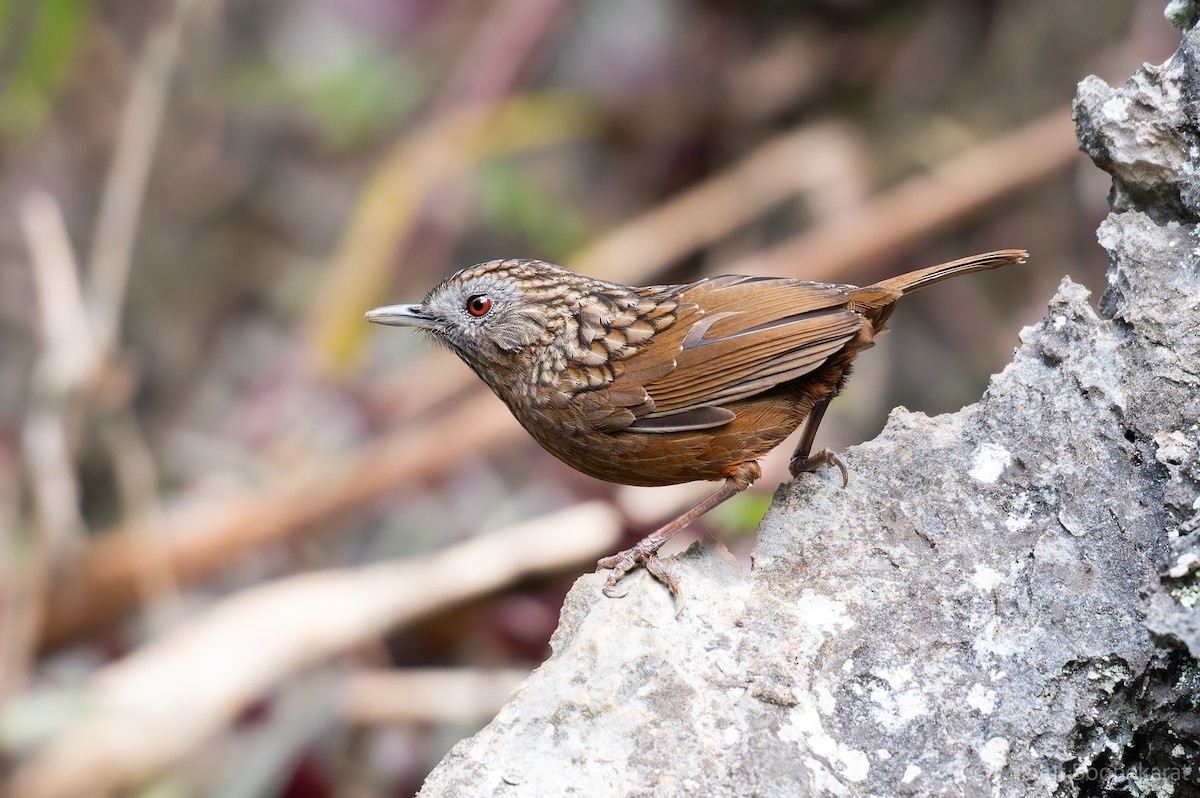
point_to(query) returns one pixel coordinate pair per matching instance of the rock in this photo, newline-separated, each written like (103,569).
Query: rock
(1001,603)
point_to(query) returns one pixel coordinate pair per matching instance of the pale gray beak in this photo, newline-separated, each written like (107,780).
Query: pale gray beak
(399,316)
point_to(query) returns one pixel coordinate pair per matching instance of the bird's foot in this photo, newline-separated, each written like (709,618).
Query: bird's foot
(623,562)
(825,457)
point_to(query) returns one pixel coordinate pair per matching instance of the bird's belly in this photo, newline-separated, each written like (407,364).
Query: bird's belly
(638,458)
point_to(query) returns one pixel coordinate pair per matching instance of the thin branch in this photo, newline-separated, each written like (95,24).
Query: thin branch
(69,354)
(125,189)
(426,695)
(66,360)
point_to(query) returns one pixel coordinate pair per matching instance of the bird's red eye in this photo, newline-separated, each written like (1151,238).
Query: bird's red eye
(479,304)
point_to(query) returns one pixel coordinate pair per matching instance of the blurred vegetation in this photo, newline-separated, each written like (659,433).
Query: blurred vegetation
(41,41)
(309,159)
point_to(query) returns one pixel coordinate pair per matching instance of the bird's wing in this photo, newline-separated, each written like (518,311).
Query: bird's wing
(733,337)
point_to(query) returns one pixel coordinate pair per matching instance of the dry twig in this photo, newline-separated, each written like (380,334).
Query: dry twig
(426,695)
(125,188)
(66,361)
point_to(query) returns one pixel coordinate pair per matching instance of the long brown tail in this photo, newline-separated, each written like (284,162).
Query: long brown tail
(878,300)
(907,283)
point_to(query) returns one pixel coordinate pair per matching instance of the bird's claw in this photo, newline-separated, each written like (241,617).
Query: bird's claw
(668,575)
(623,562)
(825,457)
(618,564)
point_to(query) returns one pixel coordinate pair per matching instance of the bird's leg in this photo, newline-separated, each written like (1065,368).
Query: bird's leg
(645,551)
(803,461)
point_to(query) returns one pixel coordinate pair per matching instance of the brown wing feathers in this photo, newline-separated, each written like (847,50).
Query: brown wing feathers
(755,334)
(713,368)
(739,336)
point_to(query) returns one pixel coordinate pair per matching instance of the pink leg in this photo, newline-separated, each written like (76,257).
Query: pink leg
(645,551)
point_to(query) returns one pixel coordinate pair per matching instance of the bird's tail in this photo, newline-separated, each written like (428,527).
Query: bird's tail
(878,300)
(912,281)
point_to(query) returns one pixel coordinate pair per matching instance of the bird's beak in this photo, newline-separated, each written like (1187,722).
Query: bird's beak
(399,316)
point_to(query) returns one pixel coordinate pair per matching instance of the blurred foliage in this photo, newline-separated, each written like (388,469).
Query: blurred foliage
(30,720)
(37,43)
(349,103)
(741,514)
(516,203)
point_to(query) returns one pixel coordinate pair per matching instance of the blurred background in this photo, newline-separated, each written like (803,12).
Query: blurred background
(253,546)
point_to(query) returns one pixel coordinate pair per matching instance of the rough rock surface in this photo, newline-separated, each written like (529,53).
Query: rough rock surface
(1003,601)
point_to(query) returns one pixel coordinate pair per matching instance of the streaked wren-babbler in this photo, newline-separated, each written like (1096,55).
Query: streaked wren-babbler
(668,383)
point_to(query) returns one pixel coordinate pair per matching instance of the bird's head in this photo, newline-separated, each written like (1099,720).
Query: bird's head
(489,313)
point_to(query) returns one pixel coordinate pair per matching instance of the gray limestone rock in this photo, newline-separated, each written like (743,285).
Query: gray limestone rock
(1001,603)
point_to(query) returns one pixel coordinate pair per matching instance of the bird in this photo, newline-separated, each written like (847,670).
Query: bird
(664,384)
